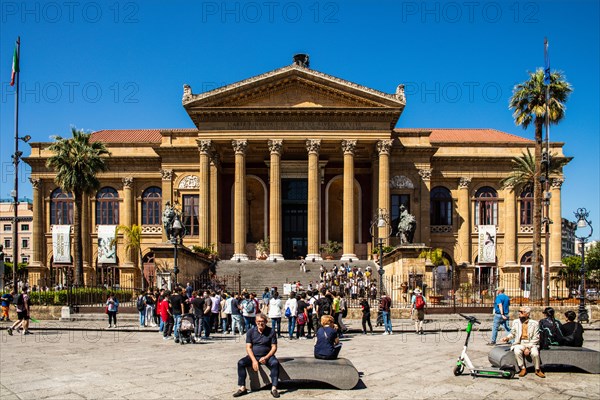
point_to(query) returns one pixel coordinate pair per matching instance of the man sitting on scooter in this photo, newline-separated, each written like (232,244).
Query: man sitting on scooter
(526,335)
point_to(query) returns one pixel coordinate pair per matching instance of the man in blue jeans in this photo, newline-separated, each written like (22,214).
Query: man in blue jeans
(385,305)
(501,310)
(176,301)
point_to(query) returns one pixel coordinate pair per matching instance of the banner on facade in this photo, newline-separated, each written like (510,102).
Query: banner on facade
(487,244)
(107,249)
(61,243)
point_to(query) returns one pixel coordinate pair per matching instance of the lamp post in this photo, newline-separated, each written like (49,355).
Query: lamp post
(582,222)
(16,157)
(178,232)
(381,220)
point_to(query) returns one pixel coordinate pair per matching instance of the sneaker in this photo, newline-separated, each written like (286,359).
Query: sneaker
(491,343)
(540,373)
(176,340)
(385,333)
(10,331)
(523,372)
(391,333)
(110,326)
(31,333)
(364,333)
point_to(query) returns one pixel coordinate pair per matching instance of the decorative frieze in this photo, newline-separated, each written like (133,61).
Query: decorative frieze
(239,146)
(128,182)
(384,146)
(189,182)
(401,182)
(152,229)
(526,229)
(464,183)
(276,146)
(425,174)
(167,174)
(441,229)
(313,146)
(349,146)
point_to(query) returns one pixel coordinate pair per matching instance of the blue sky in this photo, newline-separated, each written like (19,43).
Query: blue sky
(122,64)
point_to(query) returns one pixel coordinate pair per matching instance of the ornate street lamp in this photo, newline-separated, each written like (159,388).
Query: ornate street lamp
(582,222)
(177,234)
(381,220)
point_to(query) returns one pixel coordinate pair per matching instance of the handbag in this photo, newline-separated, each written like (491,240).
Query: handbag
(288,312)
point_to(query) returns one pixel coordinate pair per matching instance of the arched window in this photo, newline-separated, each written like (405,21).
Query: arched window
(61,208)
(525,273)
(107,207)
(526,206)
(440,207)
(486,206)
(151,206)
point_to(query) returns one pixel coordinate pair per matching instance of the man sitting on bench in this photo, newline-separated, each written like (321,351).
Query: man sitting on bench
(526,335)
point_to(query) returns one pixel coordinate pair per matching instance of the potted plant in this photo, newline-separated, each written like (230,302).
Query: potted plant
(262,249)
(330,249)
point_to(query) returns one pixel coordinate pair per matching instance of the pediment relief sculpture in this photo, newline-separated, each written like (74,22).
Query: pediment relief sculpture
(189,182)
(401,182)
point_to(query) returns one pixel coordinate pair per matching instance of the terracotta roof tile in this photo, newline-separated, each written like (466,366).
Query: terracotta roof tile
(132,135)
(457,135)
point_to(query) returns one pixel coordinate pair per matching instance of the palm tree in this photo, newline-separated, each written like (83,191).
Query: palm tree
(76,162)
(528,103)
(524,169)
(133,239)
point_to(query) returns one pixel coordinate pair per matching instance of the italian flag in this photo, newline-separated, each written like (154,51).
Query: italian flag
(15,64)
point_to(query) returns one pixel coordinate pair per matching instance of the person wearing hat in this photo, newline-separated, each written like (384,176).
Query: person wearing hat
(418,303)
(501,311)
(525,333)
(550,330)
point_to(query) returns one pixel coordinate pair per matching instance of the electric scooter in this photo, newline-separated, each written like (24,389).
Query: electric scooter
(464,360)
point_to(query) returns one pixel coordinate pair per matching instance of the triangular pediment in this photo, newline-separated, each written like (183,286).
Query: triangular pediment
(293,86)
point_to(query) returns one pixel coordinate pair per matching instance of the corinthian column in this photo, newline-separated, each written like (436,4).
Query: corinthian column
(313,146)
(128,212)
(214,201)
(38,222)
(424,218)
(204,146)
(167,193)
(510,224)
(239,201)
(464,218)
(348,147)
(383,148)
(556,227)
(276,148)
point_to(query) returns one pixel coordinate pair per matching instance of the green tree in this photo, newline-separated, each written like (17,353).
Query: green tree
(523,170)
(528,103)
(76,162)
(436,257)
(592,257)
(133,243)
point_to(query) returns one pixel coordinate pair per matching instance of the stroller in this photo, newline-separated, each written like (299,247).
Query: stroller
(186,329)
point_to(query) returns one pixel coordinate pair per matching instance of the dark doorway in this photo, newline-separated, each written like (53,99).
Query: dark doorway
(294,207)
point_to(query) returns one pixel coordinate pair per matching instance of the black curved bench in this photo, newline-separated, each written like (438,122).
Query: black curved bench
(580,357)
(339,373)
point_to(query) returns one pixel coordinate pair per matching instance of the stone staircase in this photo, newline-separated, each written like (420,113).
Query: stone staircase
(256,275)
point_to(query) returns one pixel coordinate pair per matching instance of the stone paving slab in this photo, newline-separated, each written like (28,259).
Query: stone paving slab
(111,364)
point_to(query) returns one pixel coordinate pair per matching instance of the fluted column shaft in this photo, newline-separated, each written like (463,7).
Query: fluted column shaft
(38,222)
(214,202)
(203,207)
(349,226)
(313,147)
(510,226)
(86,225)
(384,148)
(556,227)
(425,217)
(128,211)
(167,193)
(464,221)
(239,202)
(275,243)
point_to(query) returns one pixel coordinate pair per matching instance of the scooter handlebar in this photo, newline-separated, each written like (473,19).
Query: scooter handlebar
(470,318)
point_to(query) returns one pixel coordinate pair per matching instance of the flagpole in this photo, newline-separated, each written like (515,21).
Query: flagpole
(16,157)
(547,193)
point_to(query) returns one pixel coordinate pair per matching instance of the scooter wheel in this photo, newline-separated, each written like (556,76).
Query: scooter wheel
(458,370)
(508,374)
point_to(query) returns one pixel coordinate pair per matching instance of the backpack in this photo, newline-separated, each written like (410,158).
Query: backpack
(141,303)
(301,319)
(325,308)
(288,312)
(419,302)
(249,306)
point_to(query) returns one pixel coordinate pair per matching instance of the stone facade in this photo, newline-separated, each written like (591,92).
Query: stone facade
(301,157)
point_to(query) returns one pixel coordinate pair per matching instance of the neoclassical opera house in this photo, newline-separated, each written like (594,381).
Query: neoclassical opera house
(299,157)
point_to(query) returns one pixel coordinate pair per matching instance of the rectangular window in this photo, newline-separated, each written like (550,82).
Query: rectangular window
(25,243)
(25,260)
(24,227)
(190,214)
(7,227)
(7,243)
(398,200)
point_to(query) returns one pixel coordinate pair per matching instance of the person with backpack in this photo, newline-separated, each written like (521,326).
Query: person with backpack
(572,331)
(291,312)
(141,307)
(275,313)
(418,303)
(23,313)
(550,330)
(248,312)
(7,299)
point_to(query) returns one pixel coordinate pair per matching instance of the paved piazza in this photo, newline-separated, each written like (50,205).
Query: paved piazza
(108,364)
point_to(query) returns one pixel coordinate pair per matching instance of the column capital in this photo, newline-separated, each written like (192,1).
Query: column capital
(128,182)
(239,146)
(313,146)
(557,183)
(464,183)
(205,146)
(425,173)
(275,146)
(349,146)
(35,182)
(384,146)
(167,174)
(215,159)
